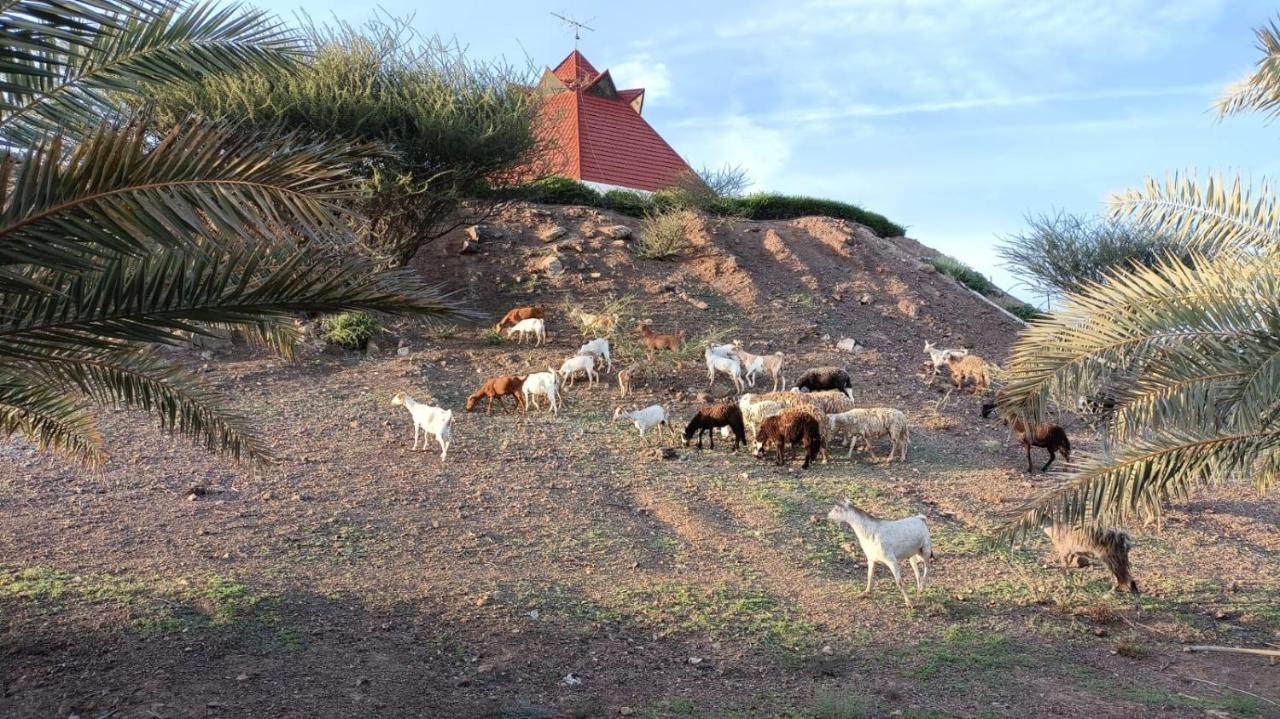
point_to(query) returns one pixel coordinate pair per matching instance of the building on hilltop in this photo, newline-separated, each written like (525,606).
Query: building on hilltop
(594,132)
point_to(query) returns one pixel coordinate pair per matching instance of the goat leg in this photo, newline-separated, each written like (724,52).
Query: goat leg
(1030,470)
(1045,468)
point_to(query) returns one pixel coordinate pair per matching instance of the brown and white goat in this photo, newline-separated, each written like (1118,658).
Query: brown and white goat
(1075,545)
(499,388)
(521,313)
(790,427)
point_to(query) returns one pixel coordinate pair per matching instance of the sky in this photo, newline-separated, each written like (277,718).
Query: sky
(954,118)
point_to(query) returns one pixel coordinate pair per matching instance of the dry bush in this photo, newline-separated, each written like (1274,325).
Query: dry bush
(664,235)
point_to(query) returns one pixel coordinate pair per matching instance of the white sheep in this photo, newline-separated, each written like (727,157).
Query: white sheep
(435,421)
(580,363)
(532,326)
(939,357)
(888,542)
(723,365)
(754,364)
(755,410)
(870,424)
(542,384)
(598,346)
(644,419)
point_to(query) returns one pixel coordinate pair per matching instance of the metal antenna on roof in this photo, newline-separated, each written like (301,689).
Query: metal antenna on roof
(578,27)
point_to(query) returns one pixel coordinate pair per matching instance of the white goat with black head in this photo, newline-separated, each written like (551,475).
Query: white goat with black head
(888,542)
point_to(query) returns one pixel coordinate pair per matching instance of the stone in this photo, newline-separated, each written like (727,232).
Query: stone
(616,232)
(372,348)
(864,300)
(552,266)
(551,233)
(665,453)
(848,344)
(402,352)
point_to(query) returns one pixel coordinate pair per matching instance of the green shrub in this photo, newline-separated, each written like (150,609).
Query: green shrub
(665,234)
(962,273)
(1023,311)
(627,202)
(557,190)
(351,330)
(786,207)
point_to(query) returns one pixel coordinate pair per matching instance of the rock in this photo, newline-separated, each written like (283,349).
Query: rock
(927,268)
(552,266)
(402,352)
(570,680)
(533,614)
(616,232)
(192,497)
(665,453)
(595,275)
(362,681)
(695,660)
(826,338)
(626,711)
(618,243)
(242,677)
(827,650)
(848,344)
(864,300)
(372,348)
(551,233)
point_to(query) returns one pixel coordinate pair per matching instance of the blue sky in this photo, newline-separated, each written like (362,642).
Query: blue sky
(955,118)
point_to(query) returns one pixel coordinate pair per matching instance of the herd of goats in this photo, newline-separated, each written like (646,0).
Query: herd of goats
(816,412)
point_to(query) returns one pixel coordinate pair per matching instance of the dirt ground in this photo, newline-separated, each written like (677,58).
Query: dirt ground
(555,567)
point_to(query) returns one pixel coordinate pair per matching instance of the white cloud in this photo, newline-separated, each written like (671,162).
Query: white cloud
(738,140)
(641,71)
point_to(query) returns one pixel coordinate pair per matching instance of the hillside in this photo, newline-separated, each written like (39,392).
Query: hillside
(557,567)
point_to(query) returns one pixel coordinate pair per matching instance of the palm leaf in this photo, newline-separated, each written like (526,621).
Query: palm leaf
(1260,90)
(69,88)
(1219,215)
(120,191)
(53,419)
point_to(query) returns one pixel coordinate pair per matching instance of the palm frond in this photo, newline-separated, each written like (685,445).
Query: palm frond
(152,298)
(128,378)
(53,419)
(1260,90)
(1219,215)
(67,89)
(120,191)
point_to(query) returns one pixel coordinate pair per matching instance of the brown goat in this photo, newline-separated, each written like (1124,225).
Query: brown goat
(521,313)
(500,388)
(790,427)
(1075,545)
(654,342)
(1049,436)
(712,417)
(970,367)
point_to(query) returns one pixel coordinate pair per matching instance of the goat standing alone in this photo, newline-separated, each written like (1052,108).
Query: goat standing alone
(654,342)
(888,543)
(434,421)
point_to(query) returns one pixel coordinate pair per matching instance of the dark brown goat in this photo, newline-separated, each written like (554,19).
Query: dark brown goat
(520,313)
(712,417)
(1048,436)
(1110,546)
(500,388)
(790,427)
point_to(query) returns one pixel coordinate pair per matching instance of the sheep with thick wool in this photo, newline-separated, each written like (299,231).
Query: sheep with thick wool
(872,423)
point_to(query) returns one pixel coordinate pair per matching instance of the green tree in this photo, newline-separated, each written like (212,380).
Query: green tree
(114,237)
(1197,337)
(449,126)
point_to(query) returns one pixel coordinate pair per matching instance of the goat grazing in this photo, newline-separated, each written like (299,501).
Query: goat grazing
(970,368)
(872,424)
(654,342)
(598,346)
(520,313)
(434,421)
(585,363)
(644,419)
(820,378)
(755,410)
(713,416)
(938,357)
(533,326)
(1075,545)
(888,543)
(790,427)
(754,364)
(594,323)
(498,388)
(542,384)
(723,365)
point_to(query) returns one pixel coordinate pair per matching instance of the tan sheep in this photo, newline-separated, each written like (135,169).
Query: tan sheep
(872,424)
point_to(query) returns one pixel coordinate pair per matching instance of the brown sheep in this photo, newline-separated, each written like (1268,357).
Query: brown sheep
(713,416)
(790,427)
(499,387)
(521,313)
(970,367)
(654,342)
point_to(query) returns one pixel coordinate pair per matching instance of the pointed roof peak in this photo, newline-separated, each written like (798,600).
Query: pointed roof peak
(575,70)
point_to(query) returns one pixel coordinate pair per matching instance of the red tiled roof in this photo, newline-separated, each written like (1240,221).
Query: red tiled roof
(602,138)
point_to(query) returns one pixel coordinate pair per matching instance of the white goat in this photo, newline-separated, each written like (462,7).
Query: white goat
(888,542)
(755,411)
(754,364)
(723,365)
(434,421)
(599,346)
(580,363)
(542,384)
(532,326)
(939,356)
(722,350)
(643,419)
(872,424)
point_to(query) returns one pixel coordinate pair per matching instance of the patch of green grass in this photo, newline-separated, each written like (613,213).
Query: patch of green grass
(1233,703)
(962,273)
(963,647)
(725,612)
(679,708)
(803,299)
(490,336)
(829,704)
